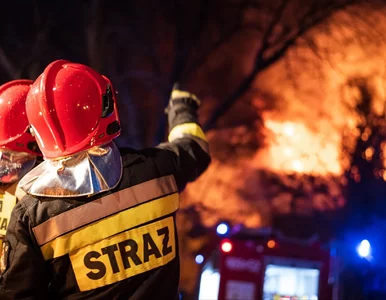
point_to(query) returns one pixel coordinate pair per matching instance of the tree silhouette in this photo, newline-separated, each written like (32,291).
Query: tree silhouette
(147,46)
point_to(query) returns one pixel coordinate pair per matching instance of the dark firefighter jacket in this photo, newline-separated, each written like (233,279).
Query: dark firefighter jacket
(121,244)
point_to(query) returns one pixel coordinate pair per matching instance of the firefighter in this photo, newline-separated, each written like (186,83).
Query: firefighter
(98,222)
(18,148)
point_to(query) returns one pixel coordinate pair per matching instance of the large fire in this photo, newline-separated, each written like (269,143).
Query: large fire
(311,129)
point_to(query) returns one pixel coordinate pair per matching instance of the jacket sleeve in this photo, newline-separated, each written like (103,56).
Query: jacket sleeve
(24,273)
(187,143)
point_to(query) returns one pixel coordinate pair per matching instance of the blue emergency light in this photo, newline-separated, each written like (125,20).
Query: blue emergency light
(199,259)
(364,249)
(222,229)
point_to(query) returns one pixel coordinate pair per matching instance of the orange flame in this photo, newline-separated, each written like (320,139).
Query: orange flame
(295,148)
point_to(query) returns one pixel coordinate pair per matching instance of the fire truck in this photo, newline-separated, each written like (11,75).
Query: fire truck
(259,264)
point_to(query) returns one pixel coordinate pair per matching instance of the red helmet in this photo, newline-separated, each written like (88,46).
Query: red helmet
(71,108)
(14,126)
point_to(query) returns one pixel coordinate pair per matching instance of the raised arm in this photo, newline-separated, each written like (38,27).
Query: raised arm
(186,139)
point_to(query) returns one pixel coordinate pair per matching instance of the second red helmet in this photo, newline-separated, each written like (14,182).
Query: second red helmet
(14,126)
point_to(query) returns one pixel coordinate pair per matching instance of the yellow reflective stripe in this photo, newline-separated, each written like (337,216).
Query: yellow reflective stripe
(109,226)
(7,203)
(124,255)
(103,207)
(186,129)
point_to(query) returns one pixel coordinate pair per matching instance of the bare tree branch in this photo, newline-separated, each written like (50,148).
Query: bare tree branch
(226,37)
(183,49)
(266,37)
(148,47)
(246,82)
(262,62)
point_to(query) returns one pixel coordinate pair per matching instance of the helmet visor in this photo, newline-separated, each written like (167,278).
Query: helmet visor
(14,165)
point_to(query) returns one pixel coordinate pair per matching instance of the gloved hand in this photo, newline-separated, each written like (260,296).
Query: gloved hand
(180,96)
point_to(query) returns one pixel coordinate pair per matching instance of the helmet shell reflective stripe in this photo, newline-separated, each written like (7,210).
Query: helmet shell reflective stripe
(64,108)
(14,133)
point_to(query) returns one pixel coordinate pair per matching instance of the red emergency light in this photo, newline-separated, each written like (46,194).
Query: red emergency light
(226,246)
